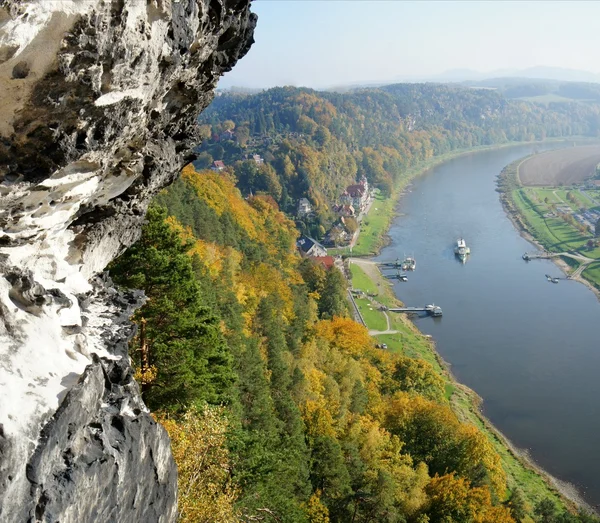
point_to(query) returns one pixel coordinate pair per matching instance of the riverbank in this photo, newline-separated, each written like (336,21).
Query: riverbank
(522,473)
(373,229)
(535,222)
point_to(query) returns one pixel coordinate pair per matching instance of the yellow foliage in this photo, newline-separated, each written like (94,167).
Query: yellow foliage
(315,510)
(414,414)
(185,233)
(453,499)
(146,376)
(318,419)
(260,220)
(346,335)
(206,493)
(221,195)
(381,452)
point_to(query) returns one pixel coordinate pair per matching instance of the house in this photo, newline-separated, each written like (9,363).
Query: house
(337,236)
(364,184)
(218,165)
(593,184)
(344,210)
(304,207)
(227,135)
(310,247)
(357,196)
(326,261)
(257,159)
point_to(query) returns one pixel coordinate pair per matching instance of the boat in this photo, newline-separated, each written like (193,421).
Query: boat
(409,264)
(433,310)
(461,249)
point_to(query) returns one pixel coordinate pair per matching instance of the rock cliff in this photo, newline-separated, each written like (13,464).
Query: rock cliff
(98,106)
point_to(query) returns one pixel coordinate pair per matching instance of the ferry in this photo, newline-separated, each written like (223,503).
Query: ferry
(461,249)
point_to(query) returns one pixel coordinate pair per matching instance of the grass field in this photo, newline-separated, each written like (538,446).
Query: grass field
(374,225)
(552,232)
(373,317)
(550,98)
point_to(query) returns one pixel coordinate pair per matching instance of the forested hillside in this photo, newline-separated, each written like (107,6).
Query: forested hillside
(279,406)
(314,144)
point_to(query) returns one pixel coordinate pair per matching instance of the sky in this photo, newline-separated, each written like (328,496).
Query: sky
(326,43)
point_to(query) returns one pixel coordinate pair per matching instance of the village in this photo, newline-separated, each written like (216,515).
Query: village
(350,209)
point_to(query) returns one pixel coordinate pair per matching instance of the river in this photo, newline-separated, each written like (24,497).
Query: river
(528,347)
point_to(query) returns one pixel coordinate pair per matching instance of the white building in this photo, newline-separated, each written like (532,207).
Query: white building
(304,207)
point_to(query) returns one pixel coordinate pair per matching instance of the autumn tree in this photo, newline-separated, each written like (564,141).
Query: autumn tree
(206,491)
(453,499)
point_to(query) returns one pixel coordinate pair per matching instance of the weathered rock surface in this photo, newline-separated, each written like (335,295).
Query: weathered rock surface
(98,106)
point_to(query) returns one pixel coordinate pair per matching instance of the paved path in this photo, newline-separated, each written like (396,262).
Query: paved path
(579,257)
(594,201)
(359,219)
(357,315)
(583,260)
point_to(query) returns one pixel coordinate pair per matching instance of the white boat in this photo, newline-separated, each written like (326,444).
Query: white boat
(409,264)
(461,249)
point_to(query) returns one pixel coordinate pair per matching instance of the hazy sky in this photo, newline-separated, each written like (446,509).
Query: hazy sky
(321,43)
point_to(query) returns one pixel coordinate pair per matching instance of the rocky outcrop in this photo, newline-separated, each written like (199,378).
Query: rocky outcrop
(98,107)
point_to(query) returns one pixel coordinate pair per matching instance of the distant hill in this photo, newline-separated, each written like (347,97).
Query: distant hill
(538,73)
(541,90)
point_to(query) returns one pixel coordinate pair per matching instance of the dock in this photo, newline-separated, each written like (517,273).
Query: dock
(432,310)
(583,261)
(390,265)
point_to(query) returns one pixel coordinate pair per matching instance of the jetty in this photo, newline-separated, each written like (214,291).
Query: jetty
(390,265)
(432,310)
(398,276)
(408,264)
(584,261)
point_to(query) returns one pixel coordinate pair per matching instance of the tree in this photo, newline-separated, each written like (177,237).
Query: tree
(204,160)
(597,231)
(179,337)
(517,505)
(242,134)
(206,491)
(350,224)
(333,301)
(453,499)
(545,511)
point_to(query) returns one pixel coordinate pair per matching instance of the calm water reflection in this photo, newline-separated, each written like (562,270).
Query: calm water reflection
(528,347)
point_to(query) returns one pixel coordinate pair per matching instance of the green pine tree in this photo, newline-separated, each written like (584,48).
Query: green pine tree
(179,348)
